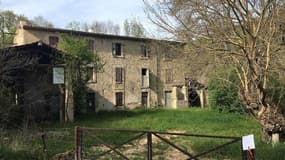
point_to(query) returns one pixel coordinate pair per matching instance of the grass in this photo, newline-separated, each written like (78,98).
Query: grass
(196,121)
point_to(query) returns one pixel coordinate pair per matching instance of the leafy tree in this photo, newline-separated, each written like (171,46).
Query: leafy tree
(243,33)
(9,21)
(77,62)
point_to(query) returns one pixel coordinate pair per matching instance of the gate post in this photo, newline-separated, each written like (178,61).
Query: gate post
(149,146)
(77,143)
(243,155)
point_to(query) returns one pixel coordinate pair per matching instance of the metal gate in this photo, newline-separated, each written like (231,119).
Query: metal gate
(80,131)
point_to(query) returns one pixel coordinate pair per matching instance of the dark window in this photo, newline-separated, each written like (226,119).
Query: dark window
(91,45)
(117,49)
(144,71)
(145,77)
(90,99)
(145,51)
(53,41)
(119,74)
(119,99)
(168,76)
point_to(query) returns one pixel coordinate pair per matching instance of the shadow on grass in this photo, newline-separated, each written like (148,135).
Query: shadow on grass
(109,116)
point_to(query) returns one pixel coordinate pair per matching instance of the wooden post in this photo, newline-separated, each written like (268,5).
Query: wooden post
(243,155)
(275,138)
(149,146)
(78,143)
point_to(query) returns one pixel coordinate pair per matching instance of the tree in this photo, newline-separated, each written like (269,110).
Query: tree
(41,21)
(134,28)
(9,21)
(242,33)
(77,62)
(73,25)
(104,27)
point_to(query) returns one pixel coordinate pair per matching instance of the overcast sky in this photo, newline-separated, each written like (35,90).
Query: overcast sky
(60,12)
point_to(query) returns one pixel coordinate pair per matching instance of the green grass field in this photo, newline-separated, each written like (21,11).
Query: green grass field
(196,121)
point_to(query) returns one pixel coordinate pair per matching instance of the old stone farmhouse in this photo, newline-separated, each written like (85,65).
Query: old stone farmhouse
(138,72)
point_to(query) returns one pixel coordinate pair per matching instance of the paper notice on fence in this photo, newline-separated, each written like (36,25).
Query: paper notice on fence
(248,142)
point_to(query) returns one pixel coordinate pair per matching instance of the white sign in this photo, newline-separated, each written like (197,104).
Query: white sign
(58,75)
(248,142)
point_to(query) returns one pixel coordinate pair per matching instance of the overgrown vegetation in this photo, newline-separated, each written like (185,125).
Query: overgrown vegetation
(244,34)
(60,136)
(224,92)
(77,68)
(9,112)
(276,91)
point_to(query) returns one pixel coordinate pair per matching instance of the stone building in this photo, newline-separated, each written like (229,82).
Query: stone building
(138,72)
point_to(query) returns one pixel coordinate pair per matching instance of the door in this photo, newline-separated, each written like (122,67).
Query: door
(90,102)
(145,99)
(167,99)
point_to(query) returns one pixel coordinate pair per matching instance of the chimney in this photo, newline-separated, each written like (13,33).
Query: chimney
(22,23)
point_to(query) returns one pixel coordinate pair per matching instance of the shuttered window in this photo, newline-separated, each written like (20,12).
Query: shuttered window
(119,98)
(168,76)
(53,41)
(119,74)
(91,45)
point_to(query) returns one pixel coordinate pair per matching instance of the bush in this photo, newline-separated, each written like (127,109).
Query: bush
(224,92)
(276,91)
(79,97)
(10,113)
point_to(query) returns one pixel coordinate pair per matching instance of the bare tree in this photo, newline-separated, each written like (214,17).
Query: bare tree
(134,28)
(73,25)
(243,33)
(41,21)
(102,27)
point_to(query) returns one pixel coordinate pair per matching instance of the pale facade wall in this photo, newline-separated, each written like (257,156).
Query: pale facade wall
(132,62)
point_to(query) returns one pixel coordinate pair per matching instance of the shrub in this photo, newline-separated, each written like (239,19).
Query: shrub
(79,97)
(276,91)
(10,113)
(224,92)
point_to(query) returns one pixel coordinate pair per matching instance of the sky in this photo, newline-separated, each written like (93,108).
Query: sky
(60,12)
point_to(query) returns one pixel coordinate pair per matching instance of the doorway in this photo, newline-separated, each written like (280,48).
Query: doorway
(194,98)
(145,99)
(168,99)
(90,102)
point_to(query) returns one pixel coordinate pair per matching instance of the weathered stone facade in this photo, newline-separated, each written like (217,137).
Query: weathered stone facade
(138,72)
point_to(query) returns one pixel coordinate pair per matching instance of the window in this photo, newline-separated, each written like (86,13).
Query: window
(144,99)
(53,41)
(168,76)
(91,45)
(168,54)
(145,51)
(145,77)
(119,99)
(144,71)
(92,74)
(117,49)
(119,74)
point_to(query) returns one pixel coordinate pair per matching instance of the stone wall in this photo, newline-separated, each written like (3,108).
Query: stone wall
(163,72)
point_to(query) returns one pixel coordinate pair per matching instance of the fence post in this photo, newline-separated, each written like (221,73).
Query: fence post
(149,146)
(243,155)
(78,143)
